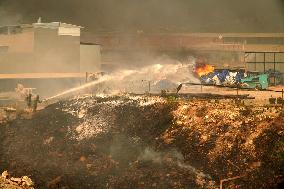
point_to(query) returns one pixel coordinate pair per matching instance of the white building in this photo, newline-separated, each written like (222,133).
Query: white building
(46,48)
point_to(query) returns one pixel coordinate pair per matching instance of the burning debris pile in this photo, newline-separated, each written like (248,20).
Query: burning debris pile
(145,142)
(226,77)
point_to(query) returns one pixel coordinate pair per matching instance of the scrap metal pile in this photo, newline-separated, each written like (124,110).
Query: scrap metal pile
(146,142)
(223,77)
(208,75)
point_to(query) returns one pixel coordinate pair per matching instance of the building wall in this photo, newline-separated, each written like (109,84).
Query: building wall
(16,62)
(56,53)
(17,56)
(90,58)
(40,50)
(19,43)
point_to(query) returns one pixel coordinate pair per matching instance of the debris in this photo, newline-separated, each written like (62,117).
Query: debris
(228,179)
(27,181)
(5,174)
(15,183)
(137,141)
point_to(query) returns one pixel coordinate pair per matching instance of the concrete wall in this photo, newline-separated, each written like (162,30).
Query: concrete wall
(18,55)
(11,63)
(39,50)
(56,53)
(19,43)
(90,58)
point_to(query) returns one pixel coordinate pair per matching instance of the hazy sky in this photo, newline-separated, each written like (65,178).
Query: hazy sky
(152,15)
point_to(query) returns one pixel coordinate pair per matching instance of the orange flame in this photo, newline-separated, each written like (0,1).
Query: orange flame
(203,69)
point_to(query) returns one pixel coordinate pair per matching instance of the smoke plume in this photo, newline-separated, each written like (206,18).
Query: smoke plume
(156,15)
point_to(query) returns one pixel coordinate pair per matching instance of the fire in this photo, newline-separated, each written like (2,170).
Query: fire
(203,69)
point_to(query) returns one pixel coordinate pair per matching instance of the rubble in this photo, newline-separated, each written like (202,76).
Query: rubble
(8,182)
(92,125)
(228,135)
(129,141)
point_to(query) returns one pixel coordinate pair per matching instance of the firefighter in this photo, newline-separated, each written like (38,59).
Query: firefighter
(36,101)
(29,100)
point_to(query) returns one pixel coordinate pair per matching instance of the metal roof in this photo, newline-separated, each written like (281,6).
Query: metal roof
(55,25)
(51,25)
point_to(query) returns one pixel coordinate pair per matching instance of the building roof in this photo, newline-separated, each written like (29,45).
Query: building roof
(55,25)
(51,25)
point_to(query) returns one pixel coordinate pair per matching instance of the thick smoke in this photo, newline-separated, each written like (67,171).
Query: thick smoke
(9,18)
(157,15)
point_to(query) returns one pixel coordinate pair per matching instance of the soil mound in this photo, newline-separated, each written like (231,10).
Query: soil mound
(146,142)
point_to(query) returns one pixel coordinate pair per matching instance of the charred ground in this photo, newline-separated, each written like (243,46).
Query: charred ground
(146,142)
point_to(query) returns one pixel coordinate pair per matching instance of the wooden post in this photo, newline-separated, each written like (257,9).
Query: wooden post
(274,69)
(238,90)
(86,79)
(282,98)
